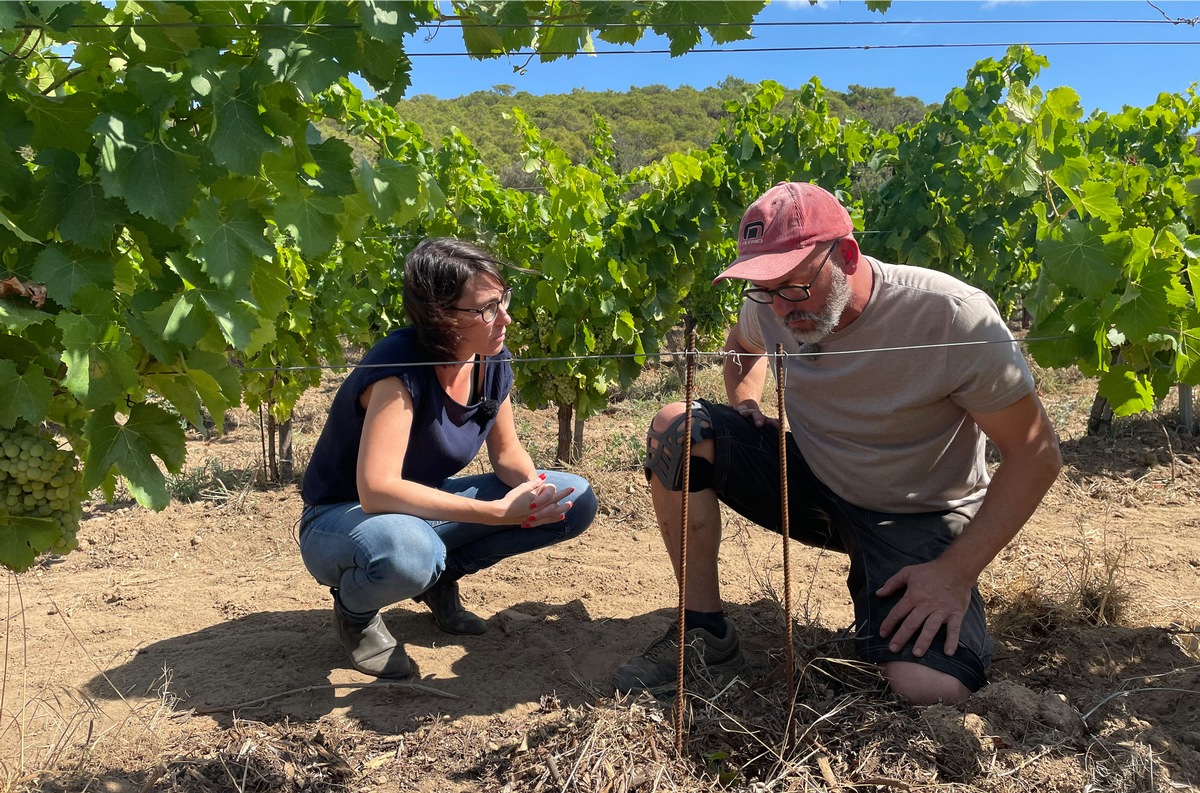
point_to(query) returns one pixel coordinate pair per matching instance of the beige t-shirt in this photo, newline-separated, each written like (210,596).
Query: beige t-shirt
(888,429)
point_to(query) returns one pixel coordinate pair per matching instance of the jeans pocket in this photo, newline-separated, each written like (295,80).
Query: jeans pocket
(307,515)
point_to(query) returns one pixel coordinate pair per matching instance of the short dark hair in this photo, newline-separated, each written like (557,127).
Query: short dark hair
(435,273)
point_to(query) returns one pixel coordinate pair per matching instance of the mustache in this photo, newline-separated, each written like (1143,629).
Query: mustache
(797,316)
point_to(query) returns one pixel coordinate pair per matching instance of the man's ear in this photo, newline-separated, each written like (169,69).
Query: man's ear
(850,254)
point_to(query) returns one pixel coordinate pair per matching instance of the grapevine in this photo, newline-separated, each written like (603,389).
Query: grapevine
(40,488)
(206,224)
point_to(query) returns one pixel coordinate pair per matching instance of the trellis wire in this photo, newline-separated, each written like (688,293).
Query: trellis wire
(617,356)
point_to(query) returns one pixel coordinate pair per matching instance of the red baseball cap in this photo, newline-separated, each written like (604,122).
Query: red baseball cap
(782,226)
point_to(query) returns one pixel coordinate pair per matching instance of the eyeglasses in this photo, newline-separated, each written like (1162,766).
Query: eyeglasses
(793,293)
(491,308)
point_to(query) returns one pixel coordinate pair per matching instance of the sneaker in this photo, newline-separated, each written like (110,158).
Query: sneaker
(706,658)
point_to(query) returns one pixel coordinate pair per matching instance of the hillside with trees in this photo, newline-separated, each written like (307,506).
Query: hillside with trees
(647,123)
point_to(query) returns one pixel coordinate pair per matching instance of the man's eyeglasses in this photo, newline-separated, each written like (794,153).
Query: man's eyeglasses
(490,309)
(793,293)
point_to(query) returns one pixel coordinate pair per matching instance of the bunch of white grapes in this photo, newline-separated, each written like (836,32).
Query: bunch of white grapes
(40,480)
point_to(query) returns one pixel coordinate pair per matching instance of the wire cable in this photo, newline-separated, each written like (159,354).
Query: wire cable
(815,48)
(722,354)
(458,25)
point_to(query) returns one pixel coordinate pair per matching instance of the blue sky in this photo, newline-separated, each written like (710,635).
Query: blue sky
(1105,76)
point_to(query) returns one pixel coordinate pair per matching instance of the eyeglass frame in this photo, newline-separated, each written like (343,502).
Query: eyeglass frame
(493,306)
(750,292)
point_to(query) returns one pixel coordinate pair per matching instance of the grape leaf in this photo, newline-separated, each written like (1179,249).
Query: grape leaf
(63,274)
(312,219)
(1078,256)
(230,242)
(129,449)
(240,139)
(25,396)
(99,370)
(23,538)
(1126,391)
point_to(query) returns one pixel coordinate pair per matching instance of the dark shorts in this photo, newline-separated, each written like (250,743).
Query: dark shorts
(745,477)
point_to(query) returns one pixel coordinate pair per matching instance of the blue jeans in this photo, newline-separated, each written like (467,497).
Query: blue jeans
(374,560)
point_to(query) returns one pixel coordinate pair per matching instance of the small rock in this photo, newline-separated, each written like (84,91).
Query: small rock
(1057,714)
(512,620)
(196,540)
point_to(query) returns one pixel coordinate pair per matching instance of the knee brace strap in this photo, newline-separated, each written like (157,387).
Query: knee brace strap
(664,452)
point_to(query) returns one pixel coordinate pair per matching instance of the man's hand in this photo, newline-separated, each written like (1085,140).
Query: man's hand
(749,408)
(934,595)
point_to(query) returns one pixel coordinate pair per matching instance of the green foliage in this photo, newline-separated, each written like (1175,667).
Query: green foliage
(163,177)
(201,243)
(1087,223)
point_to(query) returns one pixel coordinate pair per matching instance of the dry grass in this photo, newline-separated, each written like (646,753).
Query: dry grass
(80,731)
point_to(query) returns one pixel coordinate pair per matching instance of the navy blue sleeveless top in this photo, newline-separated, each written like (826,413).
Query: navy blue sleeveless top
(445,435)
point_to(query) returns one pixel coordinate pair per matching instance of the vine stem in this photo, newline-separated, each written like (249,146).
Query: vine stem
(437,692)
(54,86)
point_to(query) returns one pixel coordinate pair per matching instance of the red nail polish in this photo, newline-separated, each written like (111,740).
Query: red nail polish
(533,506)
(541,476)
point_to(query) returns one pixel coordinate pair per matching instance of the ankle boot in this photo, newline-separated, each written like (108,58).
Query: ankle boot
(448,612)
(372,648)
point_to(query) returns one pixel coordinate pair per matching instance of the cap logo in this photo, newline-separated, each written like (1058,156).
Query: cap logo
(753,231)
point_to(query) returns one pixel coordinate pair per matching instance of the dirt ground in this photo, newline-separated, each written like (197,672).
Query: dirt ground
(190,650)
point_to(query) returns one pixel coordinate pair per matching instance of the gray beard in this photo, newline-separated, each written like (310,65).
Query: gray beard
(827,320)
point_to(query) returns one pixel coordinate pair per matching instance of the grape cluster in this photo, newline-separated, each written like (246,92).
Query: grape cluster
(40,480)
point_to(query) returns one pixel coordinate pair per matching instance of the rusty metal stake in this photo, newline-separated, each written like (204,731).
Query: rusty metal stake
(780,382)
(690,356)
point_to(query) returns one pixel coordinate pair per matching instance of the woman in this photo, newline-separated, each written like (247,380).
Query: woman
(386,515)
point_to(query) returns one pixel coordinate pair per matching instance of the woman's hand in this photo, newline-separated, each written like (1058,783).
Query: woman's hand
(535,503)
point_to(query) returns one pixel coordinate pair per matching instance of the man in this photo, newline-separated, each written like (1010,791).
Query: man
(894,376)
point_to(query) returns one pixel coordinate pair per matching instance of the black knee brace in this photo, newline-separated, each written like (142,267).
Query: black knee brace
(664,452)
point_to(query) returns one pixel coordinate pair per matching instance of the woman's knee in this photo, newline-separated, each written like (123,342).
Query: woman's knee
(584,504)
(406,561)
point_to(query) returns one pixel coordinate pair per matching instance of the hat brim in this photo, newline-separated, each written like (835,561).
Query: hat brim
(766,266)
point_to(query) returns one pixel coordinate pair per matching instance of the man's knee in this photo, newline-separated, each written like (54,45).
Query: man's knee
(665,441)
(924,685)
